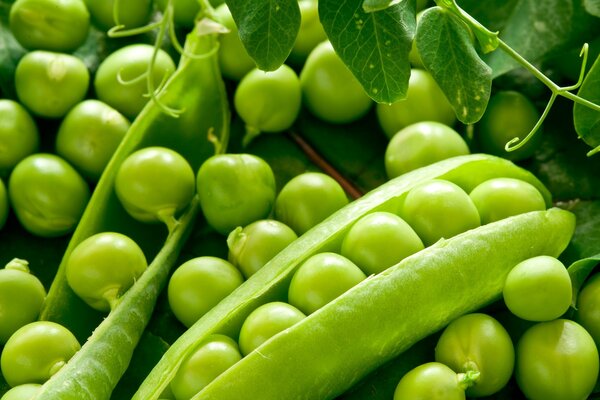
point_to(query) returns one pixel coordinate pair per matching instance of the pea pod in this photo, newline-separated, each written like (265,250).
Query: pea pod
(197,90)
(271,282)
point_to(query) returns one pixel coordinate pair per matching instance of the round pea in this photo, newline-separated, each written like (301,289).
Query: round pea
(21,298)
(430,381)
(329,90)
(185,11)
(310,34)
(49,84)
(103,266)
(379,240)
(556,360)
(235,190)
(254,245)
(424,101)
(320,279)
(307,199)
(47,195)
(265,322)
(588,307)
(154,184)
(439,209)
(132,14)
(89,135)
(37,351)
(118,80)
(200,284)
(211,358)
(19,136)
(26,391)
(501,198)
(421,144)
(268,101)
(478,343)
(49,24)
(234,60)
(538,289)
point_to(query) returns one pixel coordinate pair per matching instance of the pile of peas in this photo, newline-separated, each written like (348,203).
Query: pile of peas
(48,193)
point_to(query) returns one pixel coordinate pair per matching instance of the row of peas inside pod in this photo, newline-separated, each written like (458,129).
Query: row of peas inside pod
(375,238)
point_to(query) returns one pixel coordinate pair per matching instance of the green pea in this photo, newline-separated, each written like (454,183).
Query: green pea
(235,190)
(37,351)
(19,136)
(49,24)
(198,285)
(439,209)
(267,321)
(308,199)
(21,298)
(234,60)
(132,13)
(254,245)
(430,381)
(26,391)
(4,206)
(500,198)
(49,84)
(154,184)
(89,135)
(212,357)
(47,195)
(379,240)
(320,279)
(538,289)
(102,267)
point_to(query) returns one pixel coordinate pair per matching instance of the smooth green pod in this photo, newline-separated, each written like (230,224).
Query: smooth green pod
(271,282)
(197,91)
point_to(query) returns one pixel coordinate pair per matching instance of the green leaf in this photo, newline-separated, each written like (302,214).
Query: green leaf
(587,121)
(490,13)
(374,46)
(267,29)
(538,29)
(592,7)
(447,51)
(579,272)
(377,5)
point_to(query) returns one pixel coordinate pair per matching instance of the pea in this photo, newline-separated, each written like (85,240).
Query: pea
(121,78)
(49,24)
(379,240)
(421,144)
(102,267)
(478,343)
(556,360)
(430,381)
(311,32)
(308,199)
(424,101)
(329,89)
(268,101)
(267,321)
(154,184)
(49,84)
(198,285)
(21,298)
(500,198)
(37,351)
(254,245)
(19,136)
(132,14)
(185,11)
(26,391)
(320,279)
(212,357)
(47,195)
(234,60)
(235,190)
(588,307)
(439,209)
(538,289)
(89,135)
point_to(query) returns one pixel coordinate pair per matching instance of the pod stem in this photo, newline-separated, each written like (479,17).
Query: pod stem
(251,133)
(468,378)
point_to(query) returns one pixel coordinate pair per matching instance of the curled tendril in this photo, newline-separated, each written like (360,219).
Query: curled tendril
(516,143)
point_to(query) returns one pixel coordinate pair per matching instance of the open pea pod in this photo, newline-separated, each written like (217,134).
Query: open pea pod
(525,236)
(197,91)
